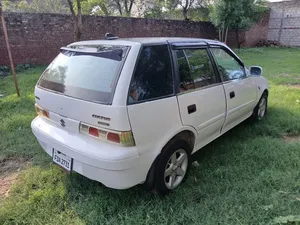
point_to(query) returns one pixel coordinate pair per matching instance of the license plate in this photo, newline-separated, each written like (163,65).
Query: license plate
(62,160)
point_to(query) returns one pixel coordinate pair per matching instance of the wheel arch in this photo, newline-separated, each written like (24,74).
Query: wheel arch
(187,134)
(266,90)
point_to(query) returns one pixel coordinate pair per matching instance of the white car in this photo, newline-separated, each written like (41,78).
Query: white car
(132,111)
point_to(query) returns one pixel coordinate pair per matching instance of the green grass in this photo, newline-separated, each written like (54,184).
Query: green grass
(281,65)
(16,115)
(248,176)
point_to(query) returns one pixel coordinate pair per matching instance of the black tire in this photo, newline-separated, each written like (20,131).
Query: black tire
(179,147)
(257,116)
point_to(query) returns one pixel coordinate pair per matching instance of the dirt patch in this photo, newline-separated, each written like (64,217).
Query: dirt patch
(285,75)
(294,86)
(291,138)
(9,171)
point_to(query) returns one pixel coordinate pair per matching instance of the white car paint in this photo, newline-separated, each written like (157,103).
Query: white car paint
(211,111)
(153,123)
(241,106)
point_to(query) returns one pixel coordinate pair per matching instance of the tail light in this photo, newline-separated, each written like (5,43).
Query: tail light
(119,137)
(41,112)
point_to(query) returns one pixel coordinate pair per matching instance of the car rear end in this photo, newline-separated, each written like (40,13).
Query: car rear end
(82,120)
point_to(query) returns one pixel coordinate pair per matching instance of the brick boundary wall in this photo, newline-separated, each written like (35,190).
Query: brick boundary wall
(252,36)
(37,38)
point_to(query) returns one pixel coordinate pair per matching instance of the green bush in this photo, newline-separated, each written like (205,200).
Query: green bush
(5,70)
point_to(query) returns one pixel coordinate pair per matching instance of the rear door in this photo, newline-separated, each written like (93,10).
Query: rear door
(201,97)
(240,89)
(152,103)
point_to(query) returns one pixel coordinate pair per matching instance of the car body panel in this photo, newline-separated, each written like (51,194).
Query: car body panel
(241,106)
(210,113)
(154,122)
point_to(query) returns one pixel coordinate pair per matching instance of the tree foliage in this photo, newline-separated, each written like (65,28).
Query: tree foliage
(157,9)
(108,7)
(35,6)
(97,7)
(179,10)
(183,5)
(235,15)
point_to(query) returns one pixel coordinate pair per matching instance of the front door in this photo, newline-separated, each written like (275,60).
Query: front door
(201,97)
(240,89)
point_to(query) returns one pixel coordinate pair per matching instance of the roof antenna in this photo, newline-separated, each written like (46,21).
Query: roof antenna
(109,36)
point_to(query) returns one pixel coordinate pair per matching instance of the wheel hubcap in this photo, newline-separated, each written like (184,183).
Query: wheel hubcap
(262,108)
(176,168)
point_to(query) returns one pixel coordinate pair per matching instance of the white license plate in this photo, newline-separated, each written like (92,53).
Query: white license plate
(62,160)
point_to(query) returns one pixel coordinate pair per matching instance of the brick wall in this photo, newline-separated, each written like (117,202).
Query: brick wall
(252,36)
(258,32)
(37,38)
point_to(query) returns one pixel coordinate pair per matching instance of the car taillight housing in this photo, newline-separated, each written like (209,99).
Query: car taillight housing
(124,138)
(41,112)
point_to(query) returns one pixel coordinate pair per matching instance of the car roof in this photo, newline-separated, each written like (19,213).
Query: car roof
(154,40)
(146,40)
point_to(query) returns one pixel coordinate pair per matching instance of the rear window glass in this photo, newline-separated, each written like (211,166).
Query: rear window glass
(86,72)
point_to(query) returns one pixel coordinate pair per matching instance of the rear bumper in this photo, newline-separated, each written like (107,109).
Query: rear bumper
(114,166)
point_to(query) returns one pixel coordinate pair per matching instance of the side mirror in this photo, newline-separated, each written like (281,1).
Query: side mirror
(255,71)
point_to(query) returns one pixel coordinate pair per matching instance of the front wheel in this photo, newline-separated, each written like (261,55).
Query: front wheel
(172,167)
(261,108)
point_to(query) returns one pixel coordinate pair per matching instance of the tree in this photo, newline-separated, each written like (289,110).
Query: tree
(97,7)
(124,7)
(236,15)
(185,5)
(155,11)
(77,18)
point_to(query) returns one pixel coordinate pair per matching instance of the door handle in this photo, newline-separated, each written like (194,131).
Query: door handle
(232,94)
(192,108)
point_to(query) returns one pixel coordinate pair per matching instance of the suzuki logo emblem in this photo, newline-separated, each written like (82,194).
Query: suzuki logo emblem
(62,123)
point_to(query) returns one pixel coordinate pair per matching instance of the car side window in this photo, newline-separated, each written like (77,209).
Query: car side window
(229,67)
(153,75)
(195,69)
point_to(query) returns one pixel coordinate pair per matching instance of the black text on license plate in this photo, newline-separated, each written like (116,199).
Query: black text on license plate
(62,160)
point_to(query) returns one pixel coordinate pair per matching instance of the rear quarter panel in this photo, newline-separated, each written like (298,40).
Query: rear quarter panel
(155,123)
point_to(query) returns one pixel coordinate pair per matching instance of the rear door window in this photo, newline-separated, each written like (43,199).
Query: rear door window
(195,69)
(88,73)
(153,75)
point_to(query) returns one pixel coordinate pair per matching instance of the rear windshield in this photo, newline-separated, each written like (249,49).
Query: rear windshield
(86,72)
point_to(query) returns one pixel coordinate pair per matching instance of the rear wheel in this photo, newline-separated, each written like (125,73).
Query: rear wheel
(172,167)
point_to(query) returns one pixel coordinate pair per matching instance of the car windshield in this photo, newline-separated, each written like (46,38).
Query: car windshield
(85,72)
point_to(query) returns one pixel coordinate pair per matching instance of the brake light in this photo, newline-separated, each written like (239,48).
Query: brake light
(41,112)
(93,131)
(122,138)
(113,137)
